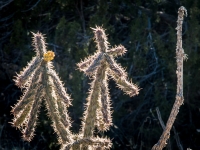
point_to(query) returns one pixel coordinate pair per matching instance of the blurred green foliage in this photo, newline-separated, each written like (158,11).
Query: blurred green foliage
(145,28)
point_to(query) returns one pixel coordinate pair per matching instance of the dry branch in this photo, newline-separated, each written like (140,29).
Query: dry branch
(180,55)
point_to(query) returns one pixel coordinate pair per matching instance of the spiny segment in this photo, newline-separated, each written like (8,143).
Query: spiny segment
(93,102)
(59,87)
(22,79)
(95,143)
(101,39)
(117,51)
(28,132)
(39,44)
(83,65)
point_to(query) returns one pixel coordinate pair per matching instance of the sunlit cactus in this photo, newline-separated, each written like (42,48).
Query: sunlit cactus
(99,66)
(40,82)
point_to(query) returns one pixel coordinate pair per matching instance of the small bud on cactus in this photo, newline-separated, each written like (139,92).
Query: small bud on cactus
(48,56)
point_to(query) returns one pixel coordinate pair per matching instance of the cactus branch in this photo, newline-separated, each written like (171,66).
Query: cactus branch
(28,94)
(92,105)
(23,78)
(128,87)
(39,44)
(94,142)
(28,132)
(95,64)
(117,51)
(19,119)
(59,87)
(106,105)
(84,64)
(53,112)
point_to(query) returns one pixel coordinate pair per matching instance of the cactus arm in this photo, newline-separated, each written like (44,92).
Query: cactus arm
(94,65)
(92,105)
(23,114)
(29,92)
(126,86)
(101,39)
(23,78)
(117,69)
(59,87)
(59,128)
(96,143)
(63,99)
(62,109)
(39,44)
(105,104)
(26,99)
(28,132)
(64,135)
(117,51)
(84,64)
(21,117)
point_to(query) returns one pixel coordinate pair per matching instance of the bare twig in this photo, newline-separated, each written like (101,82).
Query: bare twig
(179,95)
(166,17)
(81,17)
(180,147)
(31,7)
(163,126)
(4,4)
(160,118)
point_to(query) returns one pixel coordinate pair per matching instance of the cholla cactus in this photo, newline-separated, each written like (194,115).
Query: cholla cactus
(40,82)
(99,66)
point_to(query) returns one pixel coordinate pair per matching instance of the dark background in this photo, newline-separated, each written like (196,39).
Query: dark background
(145,27)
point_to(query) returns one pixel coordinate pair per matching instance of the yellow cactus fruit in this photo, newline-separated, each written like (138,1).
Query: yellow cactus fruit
(48,56)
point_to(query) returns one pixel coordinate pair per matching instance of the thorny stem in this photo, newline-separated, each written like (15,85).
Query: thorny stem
(179,95)
(97,142)
(63,133)
(92,106)
(28,133)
